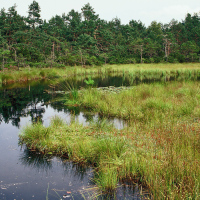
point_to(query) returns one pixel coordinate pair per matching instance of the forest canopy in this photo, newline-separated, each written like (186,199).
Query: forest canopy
(82,38)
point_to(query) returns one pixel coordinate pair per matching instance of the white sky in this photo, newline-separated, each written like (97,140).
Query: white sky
(144,10)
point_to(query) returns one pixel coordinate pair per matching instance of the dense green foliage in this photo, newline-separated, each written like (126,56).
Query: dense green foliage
(85,39)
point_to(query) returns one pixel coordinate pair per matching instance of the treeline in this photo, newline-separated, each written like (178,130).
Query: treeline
(82,38)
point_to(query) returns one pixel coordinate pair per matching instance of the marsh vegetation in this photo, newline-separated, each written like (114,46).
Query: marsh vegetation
(159,148)
(133,72)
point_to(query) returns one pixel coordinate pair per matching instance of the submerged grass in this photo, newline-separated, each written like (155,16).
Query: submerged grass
(160,148)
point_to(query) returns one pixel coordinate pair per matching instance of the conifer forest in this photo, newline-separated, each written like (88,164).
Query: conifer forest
(82,38)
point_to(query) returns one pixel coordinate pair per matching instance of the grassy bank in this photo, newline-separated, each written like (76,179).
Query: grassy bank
(186,70)
(160,148)
(151,103)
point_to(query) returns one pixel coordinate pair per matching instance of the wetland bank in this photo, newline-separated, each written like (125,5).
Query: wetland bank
(158,149)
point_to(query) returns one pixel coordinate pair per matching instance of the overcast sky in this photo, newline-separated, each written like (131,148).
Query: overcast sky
(144,10)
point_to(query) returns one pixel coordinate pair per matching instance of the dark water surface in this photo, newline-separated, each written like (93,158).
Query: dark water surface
(28,175)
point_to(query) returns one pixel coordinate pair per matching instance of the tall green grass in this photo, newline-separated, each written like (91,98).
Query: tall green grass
(160,147)
(164,158)
(147,102)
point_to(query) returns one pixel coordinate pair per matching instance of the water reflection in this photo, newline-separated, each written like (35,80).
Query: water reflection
(36,160)
(87,190)
(21,102)
(45,162)
(118,79)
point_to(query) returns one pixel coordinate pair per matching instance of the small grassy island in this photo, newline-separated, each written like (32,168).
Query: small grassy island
(159,148)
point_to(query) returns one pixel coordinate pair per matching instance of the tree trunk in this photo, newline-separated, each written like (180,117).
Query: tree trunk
(53,54)
(18,65)
(81,58)
(3,63)
(15,55)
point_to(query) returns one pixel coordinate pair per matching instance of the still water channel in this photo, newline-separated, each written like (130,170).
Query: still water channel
(28,175)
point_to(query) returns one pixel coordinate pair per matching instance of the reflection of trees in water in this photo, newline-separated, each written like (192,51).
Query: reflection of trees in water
(22,102)
(59,106)
(28,101)
(36,114)
(88,116)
